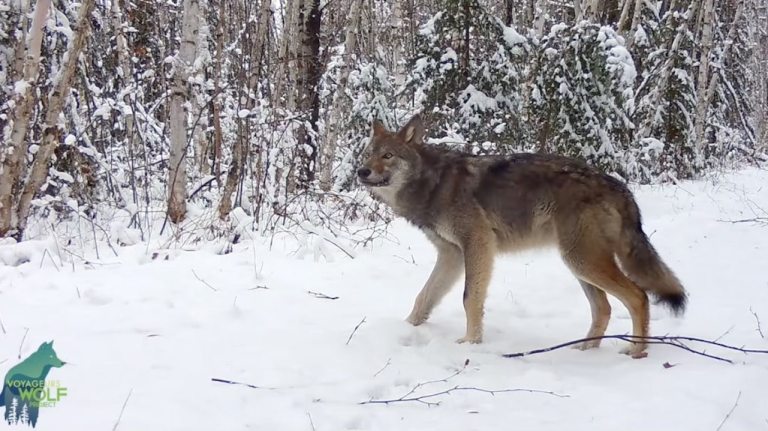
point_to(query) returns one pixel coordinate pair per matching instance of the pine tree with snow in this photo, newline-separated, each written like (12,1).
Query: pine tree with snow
(582,94)
(727,134)
(368,89)
(666,99)
(467,77)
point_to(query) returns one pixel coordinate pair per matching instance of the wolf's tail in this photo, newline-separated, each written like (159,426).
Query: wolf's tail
(643,265)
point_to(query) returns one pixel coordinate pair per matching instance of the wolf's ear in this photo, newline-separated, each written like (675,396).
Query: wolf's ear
(378,128)
(413,131)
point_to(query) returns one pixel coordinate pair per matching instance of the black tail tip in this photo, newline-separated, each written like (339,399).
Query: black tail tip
(675,301)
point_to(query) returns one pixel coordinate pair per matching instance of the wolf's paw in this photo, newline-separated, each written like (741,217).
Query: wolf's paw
(636,351)
(592,344)
(417,319)
(474,339)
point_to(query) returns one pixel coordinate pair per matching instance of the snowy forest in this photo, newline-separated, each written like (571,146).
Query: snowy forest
(180,110)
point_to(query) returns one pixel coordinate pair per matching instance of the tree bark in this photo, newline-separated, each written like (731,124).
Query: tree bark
(703,103)
(339,104)
(239,151)
(308,99)
(702,84)
(185,58)
(624,17)
(14,153)
(51,126)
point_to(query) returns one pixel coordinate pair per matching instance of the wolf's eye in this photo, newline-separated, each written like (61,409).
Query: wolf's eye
(388,156)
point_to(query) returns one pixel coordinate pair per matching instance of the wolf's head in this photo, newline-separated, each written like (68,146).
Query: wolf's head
(47,356)
(391,157)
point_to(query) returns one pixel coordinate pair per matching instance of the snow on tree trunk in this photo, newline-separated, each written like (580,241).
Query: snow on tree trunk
(702,104)
(636,16)
(52,125)
(308,75)
(339,106)
(123,58)
(290,38)
(15,150)
(624,17)
(239,151)
(177,169)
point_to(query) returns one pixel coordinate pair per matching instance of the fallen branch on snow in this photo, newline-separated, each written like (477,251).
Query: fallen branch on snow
(122,410)
(759,327)
(757,220)
(321,295)
(730,412)
(676,341)
(353,331)
(232,382)
(422,398)
(204,282)
(411,397)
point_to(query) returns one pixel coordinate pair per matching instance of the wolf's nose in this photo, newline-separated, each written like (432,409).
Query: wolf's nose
(363,172)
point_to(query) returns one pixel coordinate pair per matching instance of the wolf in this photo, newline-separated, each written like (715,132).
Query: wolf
(28,376)
(474,207)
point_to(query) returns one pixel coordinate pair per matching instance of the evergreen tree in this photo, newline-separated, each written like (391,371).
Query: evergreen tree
(467,77)
(666,98)
(583,94)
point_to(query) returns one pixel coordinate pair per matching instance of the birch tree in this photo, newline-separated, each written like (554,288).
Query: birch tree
(15,145)
(52,127)
(239,151)
(340,98)
(702,83)
(183,63)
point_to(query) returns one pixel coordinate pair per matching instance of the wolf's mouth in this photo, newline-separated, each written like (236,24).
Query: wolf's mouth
(369,183)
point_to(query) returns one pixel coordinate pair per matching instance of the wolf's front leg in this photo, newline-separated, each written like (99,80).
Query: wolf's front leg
(478,259)
(447,270)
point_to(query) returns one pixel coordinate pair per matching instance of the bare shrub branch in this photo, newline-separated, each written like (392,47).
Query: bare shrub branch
(676,341)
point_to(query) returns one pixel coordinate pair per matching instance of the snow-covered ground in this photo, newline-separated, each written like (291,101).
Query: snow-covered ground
(157,329)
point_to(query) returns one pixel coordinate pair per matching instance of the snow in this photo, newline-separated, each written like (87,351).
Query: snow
(512,37)
(21,87)
(428,28)
(161,323)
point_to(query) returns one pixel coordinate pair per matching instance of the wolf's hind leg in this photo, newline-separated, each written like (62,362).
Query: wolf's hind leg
(601,314)
(600,269)
(448,268)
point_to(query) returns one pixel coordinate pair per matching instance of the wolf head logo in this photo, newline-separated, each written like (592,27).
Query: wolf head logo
(22,381)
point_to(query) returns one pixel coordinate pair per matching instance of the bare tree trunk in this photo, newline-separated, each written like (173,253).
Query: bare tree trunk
(286,70)
(339,104)
(177,172)
(51,130)
(705,94)
(702,104)
(308,99)
(123,59)
(624,17)
(239,152)
(218,135)
(14,154)
(636,17)
(578,11)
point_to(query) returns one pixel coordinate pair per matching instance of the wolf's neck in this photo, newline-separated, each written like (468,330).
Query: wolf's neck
(416,198)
